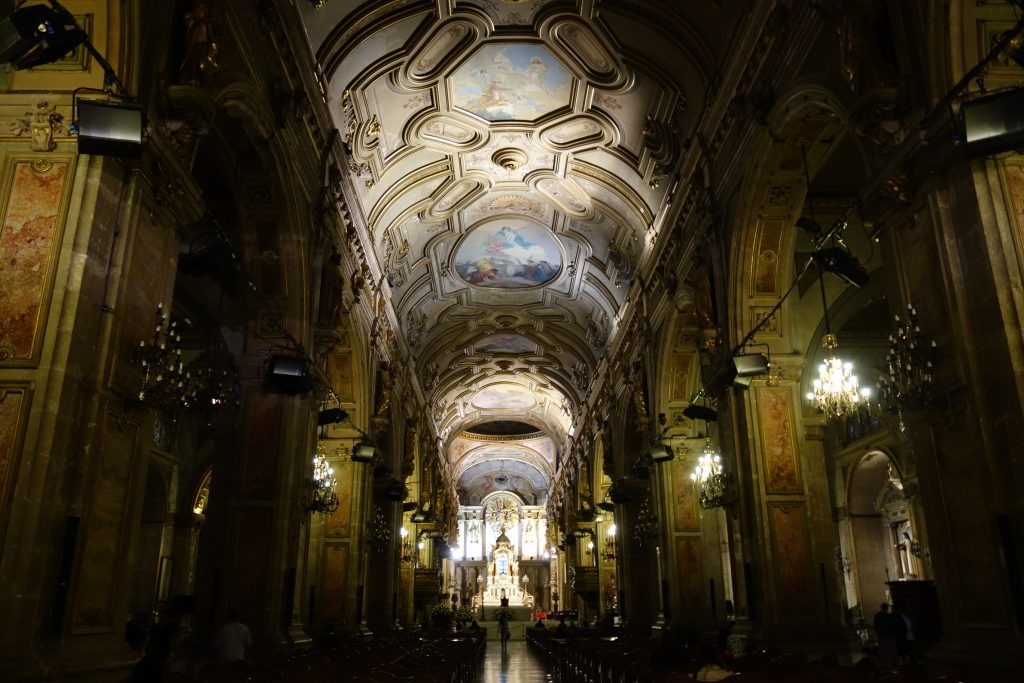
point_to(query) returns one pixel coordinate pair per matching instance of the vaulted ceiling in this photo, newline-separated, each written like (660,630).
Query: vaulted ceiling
(511,160)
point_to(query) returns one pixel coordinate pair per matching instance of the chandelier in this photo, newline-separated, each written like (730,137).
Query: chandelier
(323,498)
(646,528)
(710,477)
(836,389)
(911,363)
(169,385)
(609,543)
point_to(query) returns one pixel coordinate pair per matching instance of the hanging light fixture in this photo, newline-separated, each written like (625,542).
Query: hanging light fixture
(836,390)
(323,498)
(911,363)
(710,477)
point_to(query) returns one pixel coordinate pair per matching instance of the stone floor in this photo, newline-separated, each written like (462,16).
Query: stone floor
(518,664)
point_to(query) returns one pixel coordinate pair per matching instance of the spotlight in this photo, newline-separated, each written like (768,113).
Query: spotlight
(109,128)
(363,452)
(38,35)
(992,124)
(331,416)
(661,453)
(748,366)
(842,264)
(696,412)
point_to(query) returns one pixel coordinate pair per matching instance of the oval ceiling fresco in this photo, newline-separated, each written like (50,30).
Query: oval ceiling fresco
(505,342)
(510,254)
(503,396)
(511,81)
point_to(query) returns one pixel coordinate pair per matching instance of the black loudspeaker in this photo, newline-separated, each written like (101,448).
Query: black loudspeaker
(698,412)
(38,35)
(992,124)
(109,128)
(748,366)
(331,416)
(289,375)
(842,264)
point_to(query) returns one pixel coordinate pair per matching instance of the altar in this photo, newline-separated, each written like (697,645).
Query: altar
(503,579)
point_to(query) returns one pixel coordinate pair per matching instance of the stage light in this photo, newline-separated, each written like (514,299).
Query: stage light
(992,124)
(109,128)
(38,35)
(808,225)
(842,264)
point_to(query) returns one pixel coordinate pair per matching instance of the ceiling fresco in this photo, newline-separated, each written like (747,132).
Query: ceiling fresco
(512,163)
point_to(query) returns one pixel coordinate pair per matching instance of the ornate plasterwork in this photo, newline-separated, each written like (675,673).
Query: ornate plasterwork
(466,117)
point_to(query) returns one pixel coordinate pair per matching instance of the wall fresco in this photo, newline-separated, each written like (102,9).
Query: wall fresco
(690,573)
(794,589)
(685,494)
(778,446)
(29,241)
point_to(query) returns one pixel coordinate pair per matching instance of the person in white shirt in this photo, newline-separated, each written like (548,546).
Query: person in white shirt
(232,639)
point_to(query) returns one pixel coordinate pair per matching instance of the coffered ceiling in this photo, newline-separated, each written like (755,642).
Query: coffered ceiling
(512,161)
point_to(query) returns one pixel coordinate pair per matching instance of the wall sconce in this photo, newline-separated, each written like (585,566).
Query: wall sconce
(407,553)
(609,543)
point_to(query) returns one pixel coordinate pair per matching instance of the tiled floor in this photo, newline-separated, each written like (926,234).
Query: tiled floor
(518,664)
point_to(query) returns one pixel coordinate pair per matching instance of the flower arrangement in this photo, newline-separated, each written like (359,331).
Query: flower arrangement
(441,611)
(502,613)
(464,614)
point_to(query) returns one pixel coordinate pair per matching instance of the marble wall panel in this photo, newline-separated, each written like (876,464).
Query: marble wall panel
(794,586)
(685,496)
(339,521)
(14,404)
(690,575)
(333,584)
(258,466)
(778,445)
(100,565)
(30,241)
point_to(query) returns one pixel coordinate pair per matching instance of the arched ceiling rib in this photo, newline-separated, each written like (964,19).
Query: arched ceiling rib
(510,158)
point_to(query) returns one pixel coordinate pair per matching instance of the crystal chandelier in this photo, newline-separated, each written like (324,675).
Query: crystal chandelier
(911,363)
(709,475)
(836,389)
(323,498)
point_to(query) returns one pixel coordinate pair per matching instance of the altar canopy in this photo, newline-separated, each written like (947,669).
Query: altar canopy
(503,579)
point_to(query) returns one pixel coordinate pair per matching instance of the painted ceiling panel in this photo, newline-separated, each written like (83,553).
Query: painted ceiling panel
(509,158)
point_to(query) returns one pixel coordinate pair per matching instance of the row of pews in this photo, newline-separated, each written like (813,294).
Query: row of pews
(423,657)
(587,657)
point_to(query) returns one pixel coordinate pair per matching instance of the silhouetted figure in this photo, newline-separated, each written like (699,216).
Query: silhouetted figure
(888,632)
(562,630)
(905,641)
(540,625)
(504,631)
(162,638)
(232,639)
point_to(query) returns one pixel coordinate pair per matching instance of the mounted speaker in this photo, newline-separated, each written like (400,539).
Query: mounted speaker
(109,128)
(992,124)
(748,366)
(289,375)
